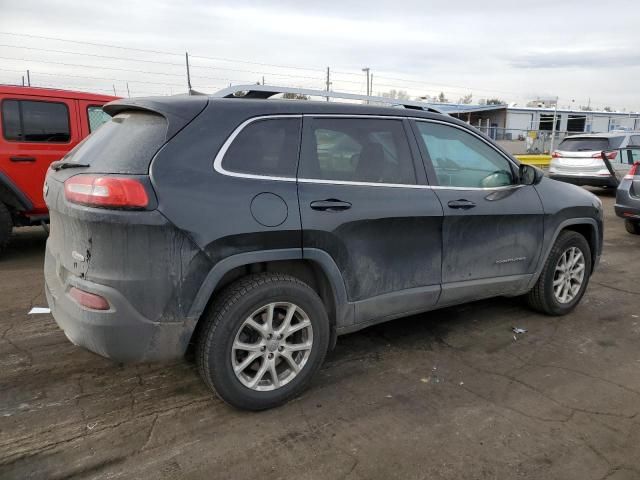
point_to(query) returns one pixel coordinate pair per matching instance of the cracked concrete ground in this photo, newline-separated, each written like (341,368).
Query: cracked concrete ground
(448,395)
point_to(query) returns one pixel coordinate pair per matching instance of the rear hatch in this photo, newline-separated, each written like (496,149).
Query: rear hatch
(125,246)
(582,155)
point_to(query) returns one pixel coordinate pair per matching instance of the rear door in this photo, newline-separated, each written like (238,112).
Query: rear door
(35,132)
(363,202)
(493,227)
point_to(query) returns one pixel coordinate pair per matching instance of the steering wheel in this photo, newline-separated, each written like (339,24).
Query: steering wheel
(499,178)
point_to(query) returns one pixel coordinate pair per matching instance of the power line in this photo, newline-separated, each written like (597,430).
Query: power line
(94,78)
(129,59)
(156,51)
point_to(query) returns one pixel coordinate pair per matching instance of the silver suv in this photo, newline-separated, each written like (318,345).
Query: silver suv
(578,159)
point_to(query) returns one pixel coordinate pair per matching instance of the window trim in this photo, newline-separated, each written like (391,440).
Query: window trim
(217,162)
(4,130)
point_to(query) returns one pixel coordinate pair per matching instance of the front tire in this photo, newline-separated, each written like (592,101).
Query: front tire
(565,276)
(6,226)
(632,226)
(262,341)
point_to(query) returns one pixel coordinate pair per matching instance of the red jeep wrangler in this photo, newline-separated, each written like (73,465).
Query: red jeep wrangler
(39,126)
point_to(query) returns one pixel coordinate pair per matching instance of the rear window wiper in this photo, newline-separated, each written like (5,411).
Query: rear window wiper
(61,164)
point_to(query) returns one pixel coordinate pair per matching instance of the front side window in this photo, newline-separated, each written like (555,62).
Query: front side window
(97,117)
(462,160)
(357,150)
(266,147)
(35,121)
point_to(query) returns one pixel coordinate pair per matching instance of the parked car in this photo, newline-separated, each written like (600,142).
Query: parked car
(39,125)
(260,230)
(578,158)
(628,194)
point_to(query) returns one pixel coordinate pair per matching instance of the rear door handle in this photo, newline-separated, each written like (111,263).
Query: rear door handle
(22,159)
(330,205)
(461,204)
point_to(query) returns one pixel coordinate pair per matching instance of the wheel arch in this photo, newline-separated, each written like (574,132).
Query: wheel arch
(587,227)
(315,267)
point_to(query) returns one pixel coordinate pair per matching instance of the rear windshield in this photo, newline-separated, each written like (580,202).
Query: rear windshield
(590,144)
(124,144)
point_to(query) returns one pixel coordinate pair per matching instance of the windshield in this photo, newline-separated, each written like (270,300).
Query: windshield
(590,144)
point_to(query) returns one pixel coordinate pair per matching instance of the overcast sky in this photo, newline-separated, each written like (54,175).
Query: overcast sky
(512,50)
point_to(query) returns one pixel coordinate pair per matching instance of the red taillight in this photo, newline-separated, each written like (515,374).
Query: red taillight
(107,191)
(635,170)
(609,155)
(89,300)
(556,155)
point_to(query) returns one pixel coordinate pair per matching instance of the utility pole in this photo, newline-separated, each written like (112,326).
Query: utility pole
(28,79)
(262,79)
(23,80)
(128,93)
(186,57)
(367,71)
(553,127)
(114,89)
(328,82)
(371,84)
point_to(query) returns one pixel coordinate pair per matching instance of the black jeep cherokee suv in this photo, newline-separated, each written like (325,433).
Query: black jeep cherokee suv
(259,230)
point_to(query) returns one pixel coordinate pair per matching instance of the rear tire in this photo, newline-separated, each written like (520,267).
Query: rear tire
(6,226)
(564,277)
(263,340)
(632,226)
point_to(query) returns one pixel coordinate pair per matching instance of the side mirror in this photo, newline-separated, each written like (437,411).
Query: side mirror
(530,175)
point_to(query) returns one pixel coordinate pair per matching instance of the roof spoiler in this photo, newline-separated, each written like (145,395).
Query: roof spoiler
(178,110)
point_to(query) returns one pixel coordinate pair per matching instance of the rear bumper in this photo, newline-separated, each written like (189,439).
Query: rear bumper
(594,181)
(120,333)
(627,205)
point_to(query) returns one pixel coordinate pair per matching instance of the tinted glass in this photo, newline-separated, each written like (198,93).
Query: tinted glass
(585,144)
(634,141)
(357,150)
(124,144)
(11,120)
(463,160)
(97,117)
(36,121)
(266,147)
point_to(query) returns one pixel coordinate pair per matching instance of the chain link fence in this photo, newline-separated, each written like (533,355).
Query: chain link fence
(525,142)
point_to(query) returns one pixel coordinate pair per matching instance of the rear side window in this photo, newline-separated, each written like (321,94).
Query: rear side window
(357,150)
(124,144)
(266,147)
(97,117)
(35,121)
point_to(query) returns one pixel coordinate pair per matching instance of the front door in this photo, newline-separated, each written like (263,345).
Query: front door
(363,202)
(493,226)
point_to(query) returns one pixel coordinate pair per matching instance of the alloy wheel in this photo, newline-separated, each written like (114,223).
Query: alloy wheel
(568,275)
(272,346)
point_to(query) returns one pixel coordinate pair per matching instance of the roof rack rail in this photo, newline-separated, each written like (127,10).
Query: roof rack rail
(267,91)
